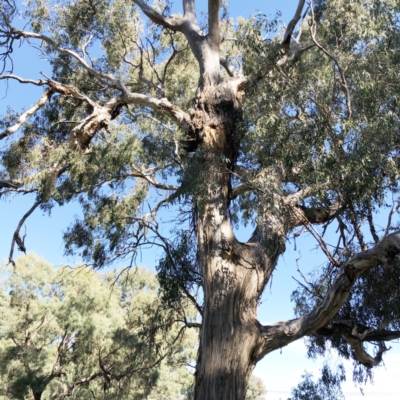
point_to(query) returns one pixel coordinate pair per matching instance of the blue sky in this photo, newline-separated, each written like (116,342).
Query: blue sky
(280,370)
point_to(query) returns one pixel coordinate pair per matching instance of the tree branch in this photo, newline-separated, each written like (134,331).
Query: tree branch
(281,334)
(105,77)
(42,101)
(292,24)
(360,353)
(9,184)
(16,237)
(181,118)
(359,331)
(228,67)
(159,19)
(189,10)
(213,23)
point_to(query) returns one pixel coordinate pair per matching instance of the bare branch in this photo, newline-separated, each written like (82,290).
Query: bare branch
(42,101)
(22,80)
(241,189)
(392,212)
(173,24)
(105,77)
(4,183)
(360,331)
(357,229)
(292,24)
(228,67)
(294,198)
(372,227)
(16,237)
(361,355)
(181,118)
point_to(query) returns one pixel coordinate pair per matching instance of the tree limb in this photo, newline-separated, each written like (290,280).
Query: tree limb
(16,237)
(189,10)
(281,334)
(181,118)
(353,328)
(9,184)
(292,24)
(105,77)
(42,101)
(361,355)
(228,67)
(22,80)
(173,24)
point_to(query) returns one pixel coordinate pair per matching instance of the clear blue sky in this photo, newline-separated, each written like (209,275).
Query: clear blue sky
(280,371)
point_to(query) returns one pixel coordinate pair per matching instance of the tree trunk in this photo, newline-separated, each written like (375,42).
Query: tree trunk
(232,277)
(229,331)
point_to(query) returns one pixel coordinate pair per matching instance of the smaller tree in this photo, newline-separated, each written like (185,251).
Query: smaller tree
(256,389)
(81,334)
(326,388)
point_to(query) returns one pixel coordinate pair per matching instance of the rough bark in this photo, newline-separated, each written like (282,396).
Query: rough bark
(234,274)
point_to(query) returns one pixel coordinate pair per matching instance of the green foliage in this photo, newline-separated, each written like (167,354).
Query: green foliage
(326,388)
(62,326)
(315,127)
(256,389)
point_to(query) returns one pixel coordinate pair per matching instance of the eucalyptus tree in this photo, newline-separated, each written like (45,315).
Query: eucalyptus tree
(228,123)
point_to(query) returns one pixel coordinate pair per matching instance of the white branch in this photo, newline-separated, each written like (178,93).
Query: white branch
(71,53)
(181,118)
(292,24)
(281,334)
(42,101)
(157,18)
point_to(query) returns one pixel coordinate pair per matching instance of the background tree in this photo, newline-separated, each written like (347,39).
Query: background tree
(75,333)
(231,124)
(326,388)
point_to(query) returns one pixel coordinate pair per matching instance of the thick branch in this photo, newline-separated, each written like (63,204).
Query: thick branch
(213,23)
(279,335)
(228,67)
(292,24)
(173,24)
(181,118)
(189,10)
(241,189)
(316,215)
(16,237)
(360,353)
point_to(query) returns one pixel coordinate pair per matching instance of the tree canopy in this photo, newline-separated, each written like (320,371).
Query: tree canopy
(76,333)
(228,123)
